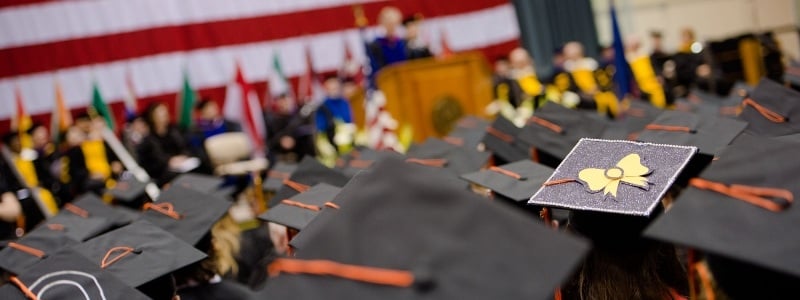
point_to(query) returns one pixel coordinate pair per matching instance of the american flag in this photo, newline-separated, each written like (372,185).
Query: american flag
(150,41)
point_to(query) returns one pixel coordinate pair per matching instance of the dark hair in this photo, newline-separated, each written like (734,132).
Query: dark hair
(622,264)
(203,103)
(149,112)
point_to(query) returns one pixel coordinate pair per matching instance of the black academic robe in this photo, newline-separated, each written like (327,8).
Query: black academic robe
(78,179)
(155,152)
(294,126)
(256,245)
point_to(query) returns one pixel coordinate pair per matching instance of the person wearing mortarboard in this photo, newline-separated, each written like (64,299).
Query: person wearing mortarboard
(614,189)
(415,45)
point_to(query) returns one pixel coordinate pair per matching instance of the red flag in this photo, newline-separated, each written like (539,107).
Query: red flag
(22,121)
(241,103)
(305,91)
(446,51)
(351,67)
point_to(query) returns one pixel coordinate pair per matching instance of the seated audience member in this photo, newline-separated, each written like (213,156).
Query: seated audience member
(163,150)
(10,208)
(646,77)
(27,172)
(415,44)
(210,122)
(94,164)
(334,119)
(290,134)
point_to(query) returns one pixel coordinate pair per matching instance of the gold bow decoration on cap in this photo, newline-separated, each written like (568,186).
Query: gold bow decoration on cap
(628,170)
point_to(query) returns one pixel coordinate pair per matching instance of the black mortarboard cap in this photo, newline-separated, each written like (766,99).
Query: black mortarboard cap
(553,131)
(207,184)
(708,133)
(187,213)
(43,241)
(772,110)
(501,140)
(69,275)
(394,222)
(362,159)
(277,174)
(457,160)
(468,132)
(740,206)
(139,253)
(129,191)
(619,177)
(308,173)
(78,226)
(516,181)
(636,115)
(313,227)
(91,205)
(298,211)
(11,292)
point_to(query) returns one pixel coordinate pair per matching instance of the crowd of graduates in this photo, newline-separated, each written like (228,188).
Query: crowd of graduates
(678,189)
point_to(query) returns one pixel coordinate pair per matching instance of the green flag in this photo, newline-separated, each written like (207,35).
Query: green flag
(186,104)
(278,83)
(100,107)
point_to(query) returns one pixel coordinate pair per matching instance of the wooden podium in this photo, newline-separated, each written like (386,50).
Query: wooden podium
(432,94)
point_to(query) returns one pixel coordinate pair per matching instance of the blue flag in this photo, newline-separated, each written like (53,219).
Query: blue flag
(622,71)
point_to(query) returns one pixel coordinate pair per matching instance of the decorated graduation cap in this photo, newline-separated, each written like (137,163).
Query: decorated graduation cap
(308,173)
(139,253)
(69,275)
(618,177)
(275,176)
(186,213)
(501,140)
(708,133)
(553,131)
(741,207)
(91,205)
(23,253)
(516,181)
(298,211)
(772,110)
(636,115)
(391,241)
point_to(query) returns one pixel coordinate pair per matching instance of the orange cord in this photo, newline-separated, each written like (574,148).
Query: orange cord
(505,172)
(668,128)
(750,194)
(372,275)
(766,112)
(332,205)
(27,249)
(22,287)
(435,162)
(500,135)
(558,181)
(164,208)
(106,262)
(296,185)
(76,210)
(546,124)
(301,205)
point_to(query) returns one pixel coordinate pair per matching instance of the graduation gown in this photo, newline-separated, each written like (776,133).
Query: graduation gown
(156,150)
(222,289)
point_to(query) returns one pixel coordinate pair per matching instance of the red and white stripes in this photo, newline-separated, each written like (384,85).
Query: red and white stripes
(76,42)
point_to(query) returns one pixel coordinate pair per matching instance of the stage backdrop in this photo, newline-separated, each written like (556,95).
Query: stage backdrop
(149,44)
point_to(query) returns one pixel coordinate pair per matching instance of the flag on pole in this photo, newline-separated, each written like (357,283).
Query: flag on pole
(446,51)
(308,85)
(61,118)
(100,107)
(352,68)
(186,101)
(22,121)
(241,103)
(622,74)
(278,84)
(131,108)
